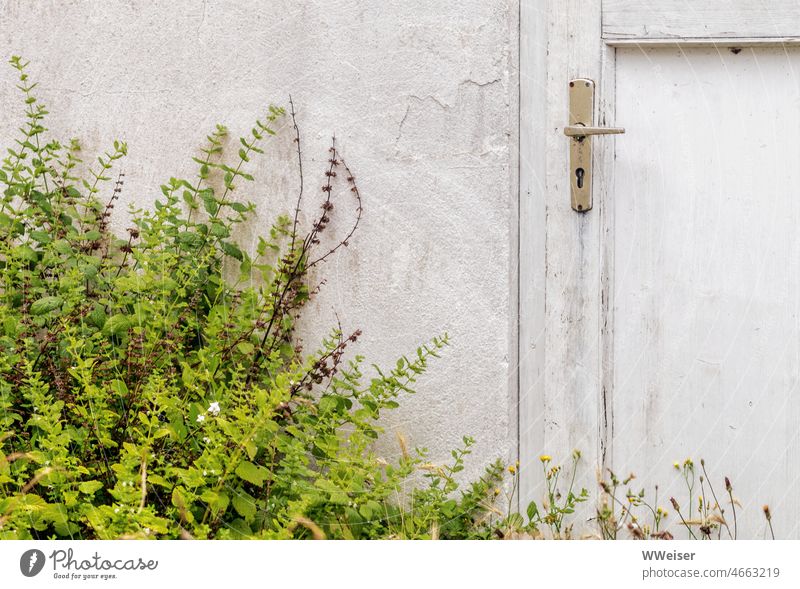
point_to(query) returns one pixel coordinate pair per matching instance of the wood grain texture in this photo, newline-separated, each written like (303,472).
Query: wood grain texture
(605,188)
(559,351)
(532,230)
(706,280)
(718,42)
(685,19)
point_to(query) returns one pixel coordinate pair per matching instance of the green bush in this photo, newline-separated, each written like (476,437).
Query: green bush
(142,395)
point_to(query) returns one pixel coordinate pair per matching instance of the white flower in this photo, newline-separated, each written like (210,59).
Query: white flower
(201,418)
(213,409)
(207,440)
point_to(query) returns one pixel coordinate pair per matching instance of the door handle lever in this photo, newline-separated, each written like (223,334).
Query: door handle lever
(580,131)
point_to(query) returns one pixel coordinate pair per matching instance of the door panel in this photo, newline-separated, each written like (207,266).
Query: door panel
(706,288)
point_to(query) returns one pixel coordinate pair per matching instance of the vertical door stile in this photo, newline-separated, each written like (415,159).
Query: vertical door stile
(571,394)
(532,356)
(604,165)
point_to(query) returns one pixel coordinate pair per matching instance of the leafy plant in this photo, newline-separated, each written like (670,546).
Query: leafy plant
(142,395)
(645,519)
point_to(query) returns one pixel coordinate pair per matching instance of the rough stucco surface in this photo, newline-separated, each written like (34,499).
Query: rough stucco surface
(420,97)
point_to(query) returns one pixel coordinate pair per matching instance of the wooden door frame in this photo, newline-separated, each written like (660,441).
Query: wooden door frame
(566,259)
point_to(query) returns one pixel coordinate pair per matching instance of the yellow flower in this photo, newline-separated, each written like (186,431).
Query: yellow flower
(545,458)
(496,492)
(512,469)
(676,464)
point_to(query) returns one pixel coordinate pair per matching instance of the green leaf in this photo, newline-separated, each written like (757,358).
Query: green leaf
(533,510)
(251,448)
(98,316)
(217,500)
(209,201)
(45,305)
(336,494)
(10,326)
(119,387)
(219,230)
(232,250)
(244,504)
(252,473)
(62,246)
(89,271)
(117,325)
(238,530)
(246,348)
(25,253)
(41,237)
(180,500)
(189,199)
(189,239)
(90,487)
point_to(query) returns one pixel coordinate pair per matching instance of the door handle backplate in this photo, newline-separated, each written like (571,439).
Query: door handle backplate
(581,129)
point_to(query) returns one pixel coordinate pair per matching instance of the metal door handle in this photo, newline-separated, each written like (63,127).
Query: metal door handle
(580,131)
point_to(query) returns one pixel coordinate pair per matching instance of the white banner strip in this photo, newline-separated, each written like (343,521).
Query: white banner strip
(240,564)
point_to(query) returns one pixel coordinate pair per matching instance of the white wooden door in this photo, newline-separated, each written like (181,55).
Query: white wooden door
(665,323)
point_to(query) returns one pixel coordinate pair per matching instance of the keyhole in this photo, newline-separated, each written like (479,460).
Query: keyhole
(579,176)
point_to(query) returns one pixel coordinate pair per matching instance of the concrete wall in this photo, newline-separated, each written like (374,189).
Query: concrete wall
(422,98)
